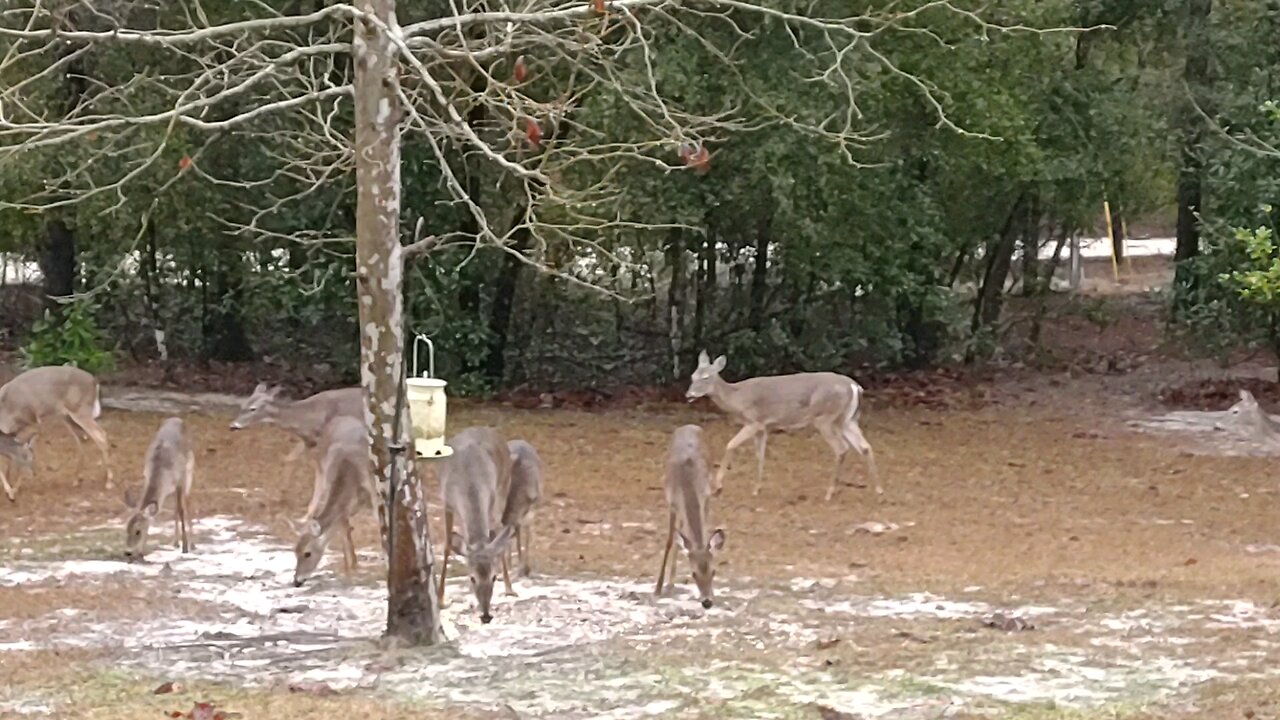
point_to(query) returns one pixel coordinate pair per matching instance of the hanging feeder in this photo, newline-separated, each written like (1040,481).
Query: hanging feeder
(427,405)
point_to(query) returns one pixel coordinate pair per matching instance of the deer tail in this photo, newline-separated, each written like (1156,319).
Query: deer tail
(97,401)
(855,404)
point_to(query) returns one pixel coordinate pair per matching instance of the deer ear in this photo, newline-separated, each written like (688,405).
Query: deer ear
(151,509)
(457,545)
(1245,394)
(260,388)
(719,364)
(703,358)
(499,542)
(717,540)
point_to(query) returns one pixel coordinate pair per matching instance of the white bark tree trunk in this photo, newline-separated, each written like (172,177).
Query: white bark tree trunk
(412,614)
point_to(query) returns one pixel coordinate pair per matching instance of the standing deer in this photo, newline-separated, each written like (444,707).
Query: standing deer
(688,493)
(827,401)
(304,418)
(347,486)
(522,499)
(49,393)
(474,483)
(168,470)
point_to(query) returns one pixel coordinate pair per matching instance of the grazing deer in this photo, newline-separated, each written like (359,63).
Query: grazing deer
(48,393)
(688,493)
(474,483)
(168,470)
(827,401)
(1254,420)
(522,499)
(346,485)
(304,418)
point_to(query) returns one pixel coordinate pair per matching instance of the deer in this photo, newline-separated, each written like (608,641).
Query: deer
(20,459)
(688,492)
(474,484)
(1254,420)
(347,485)
(39,395)
(522,500)
(304,418)
(168,469)
(827,401)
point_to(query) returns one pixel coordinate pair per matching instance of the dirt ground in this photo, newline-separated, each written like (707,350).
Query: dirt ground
(1124,575)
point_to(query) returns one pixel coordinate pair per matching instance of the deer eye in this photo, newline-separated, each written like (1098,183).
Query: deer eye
(306,554)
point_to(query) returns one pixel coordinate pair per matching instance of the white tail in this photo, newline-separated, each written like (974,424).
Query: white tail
(304,418)
(39,395)
(688,492)
(474,483)
(523,499)
(345,484)
(169,469)
(829,402)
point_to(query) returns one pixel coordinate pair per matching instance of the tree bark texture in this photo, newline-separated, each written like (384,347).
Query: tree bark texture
(58,263)
(412,614)
(1196,73)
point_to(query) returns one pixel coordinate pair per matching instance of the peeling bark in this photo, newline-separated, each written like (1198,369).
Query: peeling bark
(412,614)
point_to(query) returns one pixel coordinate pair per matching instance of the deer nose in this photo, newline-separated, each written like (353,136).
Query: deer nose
(486,618)
(706,603)
(297,582)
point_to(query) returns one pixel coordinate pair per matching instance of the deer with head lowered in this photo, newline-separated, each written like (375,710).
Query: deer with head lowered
(827,401)
(475,482)
(688,494)
(42,394)
(304,418)
(523,499)
(345,483)
(168,470)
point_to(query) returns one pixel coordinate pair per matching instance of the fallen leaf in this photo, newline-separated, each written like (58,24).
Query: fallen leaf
(169,687)
(829,713)
(827,643)
(1190,562)
(875,528)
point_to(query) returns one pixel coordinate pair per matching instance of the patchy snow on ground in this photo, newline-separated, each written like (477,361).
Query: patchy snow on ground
(608,648)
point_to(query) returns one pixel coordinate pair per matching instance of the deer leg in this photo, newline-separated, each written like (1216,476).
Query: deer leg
(745,434)
(444,566)
(526,558)
(762,438)
(186,502)
(839,446)
(9,492)
(662,569)
(506,572)
(182,517)
(349,547)
(78,435)
(99,438)
(177,519)
(858,441)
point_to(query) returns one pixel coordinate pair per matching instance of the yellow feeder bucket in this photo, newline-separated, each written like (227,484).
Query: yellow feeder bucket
(427,406)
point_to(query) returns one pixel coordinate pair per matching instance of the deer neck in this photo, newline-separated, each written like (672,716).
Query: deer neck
(300,419)
(726,395)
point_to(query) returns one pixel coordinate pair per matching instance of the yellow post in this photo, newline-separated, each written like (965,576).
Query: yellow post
(1115,266)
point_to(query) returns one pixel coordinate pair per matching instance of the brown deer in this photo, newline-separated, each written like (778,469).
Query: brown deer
(688,495)
(829,402)
(168,470)
(43,394)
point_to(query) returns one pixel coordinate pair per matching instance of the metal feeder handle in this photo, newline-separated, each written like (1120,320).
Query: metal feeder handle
(431,355)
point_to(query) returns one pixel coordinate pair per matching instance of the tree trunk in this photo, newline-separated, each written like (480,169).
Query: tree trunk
(504,295)
(1190,177)
(675,297)
(58,263)
(412,615)
(760,275)
(224,333)
(986,309)
(1031,249)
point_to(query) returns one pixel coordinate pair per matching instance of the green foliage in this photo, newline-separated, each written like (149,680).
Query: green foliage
(71,337)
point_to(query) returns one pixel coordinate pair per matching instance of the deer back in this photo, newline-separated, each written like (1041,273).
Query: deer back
(46,391)
(475,480)
(687,484)
(526,482)
(794,401)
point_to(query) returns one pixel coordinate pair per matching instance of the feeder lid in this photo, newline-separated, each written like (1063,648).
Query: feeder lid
(426,382)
